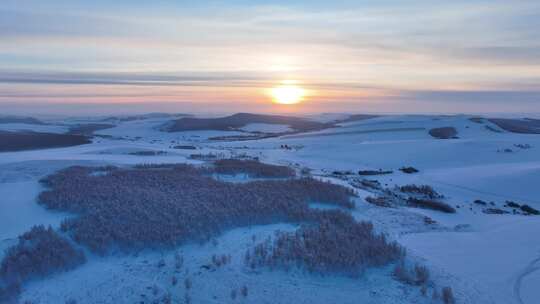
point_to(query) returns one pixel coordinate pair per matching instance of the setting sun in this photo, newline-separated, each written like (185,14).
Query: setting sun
(287,94)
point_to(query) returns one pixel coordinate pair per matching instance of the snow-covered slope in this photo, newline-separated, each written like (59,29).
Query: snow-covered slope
(486,258)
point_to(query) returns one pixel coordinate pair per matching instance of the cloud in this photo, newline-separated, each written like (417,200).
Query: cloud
(415,49)
(482,97)
(503,55)
(132,79)
(18,24)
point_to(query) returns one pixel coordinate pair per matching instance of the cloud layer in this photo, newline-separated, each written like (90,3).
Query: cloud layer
(352,52)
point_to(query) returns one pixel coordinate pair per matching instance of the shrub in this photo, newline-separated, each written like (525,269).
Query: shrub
(448,296)
(422,274)
(178,261)
(188,283)
(417,275)
(252,168)
(480,202)
(244,291)
(38,253)
(409,170)
(512,204)
(335,243)
(430,204)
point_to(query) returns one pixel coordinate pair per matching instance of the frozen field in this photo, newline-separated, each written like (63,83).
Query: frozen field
(485,258)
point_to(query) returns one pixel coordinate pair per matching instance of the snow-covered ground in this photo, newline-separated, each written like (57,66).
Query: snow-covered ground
(485,258)
(135,276)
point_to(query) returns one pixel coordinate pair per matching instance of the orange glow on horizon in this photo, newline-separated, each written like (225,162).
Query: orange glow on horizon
(288,93)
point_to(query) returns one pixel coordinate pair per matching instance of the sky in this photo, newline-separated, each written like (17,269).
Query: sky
(224,56)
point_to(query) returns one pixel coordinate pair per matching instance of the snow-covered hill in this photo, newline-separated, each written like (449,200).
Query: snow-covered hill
(486,258)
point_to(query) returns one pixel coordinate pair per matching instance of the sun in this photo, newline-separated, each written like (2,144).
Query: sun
(287,94)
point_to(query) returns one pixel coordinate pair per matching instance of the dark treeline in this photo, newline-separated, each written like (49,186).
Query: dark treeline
(24,140)
(334,242)
(39,252)
(166,205)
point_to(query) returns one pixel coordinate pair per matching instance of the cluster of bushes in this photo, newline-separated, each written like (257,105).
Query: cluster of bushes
(418,275)
(523,146)
(185,147)
(529,210)
(480,202)
(221,260)
(251,167)
(374,172)
(155,205)
(200,156)
(39,252)
(337,172)
(424,190)
(430,204)
(147,153)
(494,211)
(333,242)
(409,170)
(525,208)
(373,184)
(380,201)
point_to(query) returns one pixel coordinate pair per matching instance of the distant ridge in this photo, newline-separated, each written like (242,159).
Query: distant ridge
(239,120)
(20,119)
(154,115)
(356,117)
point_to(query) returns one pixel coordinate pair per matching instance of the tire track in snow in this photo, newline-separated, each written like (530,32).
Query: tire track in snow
(532,267)
(469,189)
